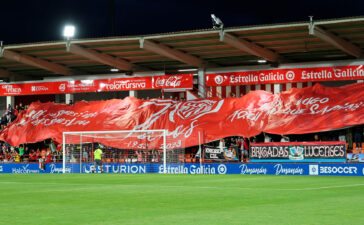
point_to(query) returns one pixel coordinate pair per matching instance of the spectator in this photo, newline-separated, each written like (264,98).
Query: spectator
(244,147)
(9,110)
(32,156)
(21,108)
(52,146)
(37,154)
(48,158)
(267,138)
(16,111)
(358,137)
(284,139)
(8,118)
(85,154)
(316,138)
(342,136)
(222,143)
(233,141)
(21,152)
(4,121)
(139,156)
(7,156)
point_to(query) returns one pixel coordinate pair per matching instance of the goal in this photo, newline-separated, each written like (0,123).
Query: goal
(125,151)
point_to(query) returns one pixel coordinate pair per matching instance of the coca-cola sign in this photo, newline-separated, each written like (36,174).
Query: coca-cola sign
(168,82)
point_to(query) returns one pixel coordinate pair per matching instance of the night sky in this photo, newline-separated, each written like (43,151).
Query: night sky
(43,20)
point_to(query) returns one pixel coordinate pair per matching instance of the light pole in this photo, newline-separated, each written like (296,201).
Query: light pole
(68,32)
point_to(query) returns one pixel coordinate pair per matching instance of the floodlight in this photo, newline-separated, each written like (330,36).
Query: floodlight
(69,31)
(187,70)
(262,61)
(114,70)
(216,22)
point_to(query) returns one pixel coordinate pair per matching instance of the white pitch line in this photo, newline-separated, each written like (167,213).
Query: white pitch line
(193,187)
(328,187)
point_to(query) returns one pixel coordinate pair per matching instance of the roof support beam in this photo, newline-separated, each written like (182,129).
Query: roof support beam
(40,63)
(334,40)
(101,58)
(171,53)
(249,47)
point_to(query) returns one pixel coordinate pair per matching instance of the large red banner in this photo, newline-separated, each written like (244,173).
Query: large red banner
(115,84)
(297,111)
(286,75)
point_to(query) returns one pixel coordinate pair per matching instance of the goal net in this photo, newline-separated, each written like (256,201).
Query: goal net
(142,151)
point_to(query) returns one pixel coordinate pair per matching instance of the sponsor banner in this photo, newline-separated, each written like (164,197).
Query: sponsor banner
(355,158)
(221,154)
(180,81)
(331,169)
(334,151)
(32,168)
(297,111)
(355,72)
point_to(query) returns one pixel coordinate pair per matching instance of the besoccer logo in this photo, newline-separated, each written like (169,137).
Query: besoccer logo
(314,169)
(219,79)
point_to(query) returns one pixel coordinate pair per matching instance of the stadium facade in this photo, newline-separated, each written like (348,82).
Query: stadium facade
(211,63)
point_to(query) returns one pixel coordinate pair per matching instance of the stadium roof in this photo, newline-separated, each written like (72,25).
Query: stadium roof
(324,40)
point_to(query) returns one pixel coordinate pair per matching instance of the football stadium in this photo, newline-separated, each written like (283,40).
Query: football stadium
(228,125)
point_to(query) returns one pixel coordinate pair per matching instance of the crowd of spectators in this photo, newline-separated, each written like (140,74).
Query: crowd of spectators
(353,136)
(42,151)
(11,113)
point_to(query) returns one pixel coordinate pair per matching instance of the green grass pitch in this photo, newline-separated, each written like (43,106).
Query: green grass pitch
(179,199)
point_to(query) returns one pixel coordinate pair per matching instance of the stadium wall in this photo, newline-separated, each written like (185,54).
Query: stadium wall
(331,169)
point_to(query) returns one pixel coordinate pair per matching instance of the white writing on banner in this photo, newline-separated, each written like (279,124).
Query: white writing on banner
(245,169)
(287,75)
(117,168)
(10,89)
(309,151)
(262,77)
(48,119)
(193,169)
(282,170)
(338,170)
(327,74)
(191,110)
(126,84)
(310,105)
(53,168)
(83,85)
(39,88)
(245,115)
(25,169)
(170,82)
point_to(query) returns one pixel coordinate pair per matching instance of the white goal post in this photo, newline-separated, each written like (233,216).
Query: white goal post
(124,146)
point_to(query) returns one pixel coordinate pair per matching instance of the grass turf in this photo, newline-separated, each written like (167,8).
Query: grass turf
(179,199)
